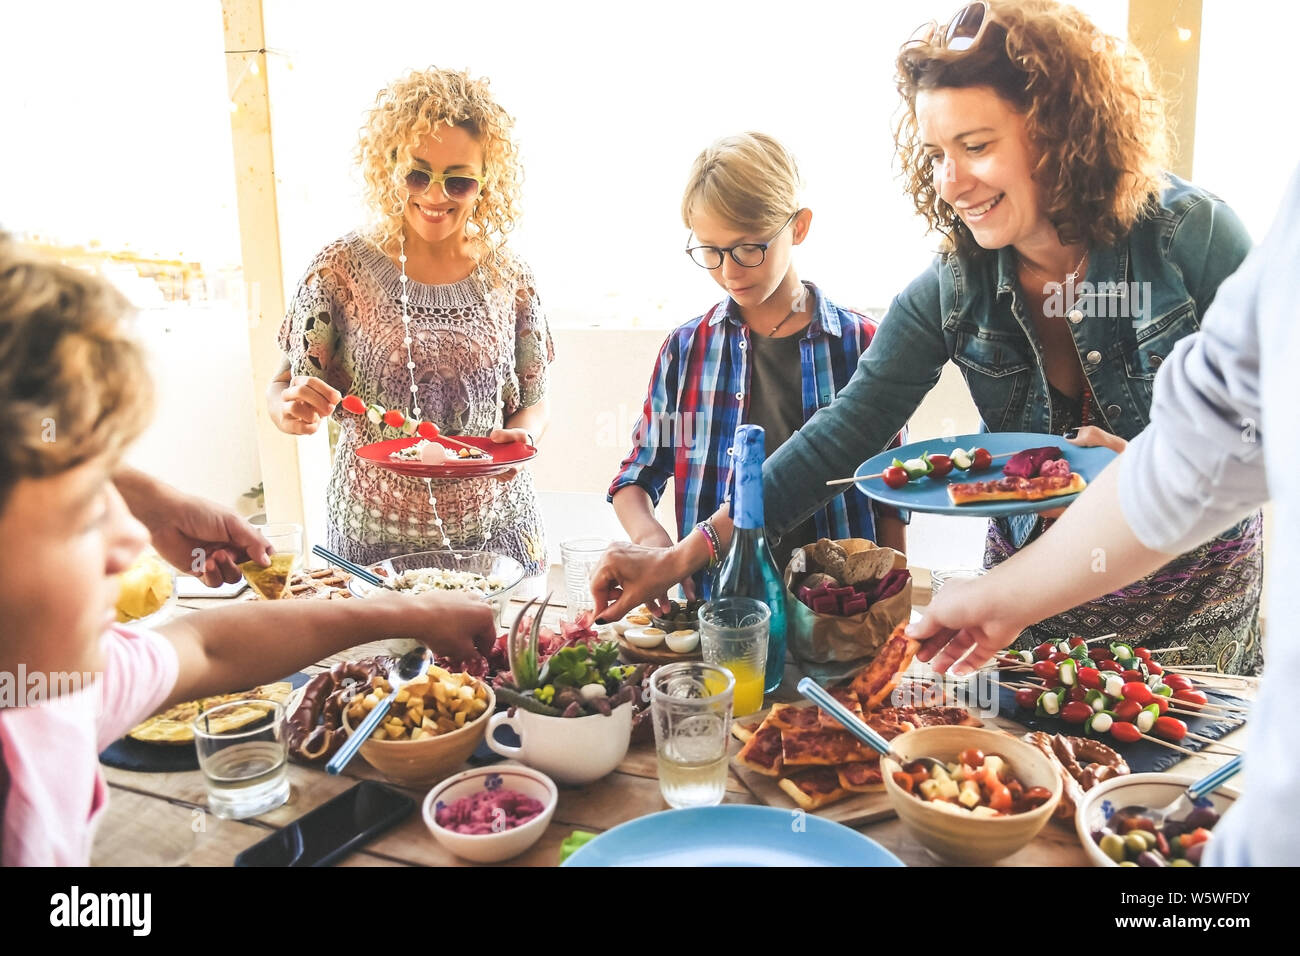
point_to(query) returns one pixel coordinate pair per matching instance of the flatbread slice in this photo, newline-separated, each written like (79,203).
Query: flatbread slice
(1016,489)
(803,748)
(861,777)
(762,753)
(175,725)
(814,788)
(270,583)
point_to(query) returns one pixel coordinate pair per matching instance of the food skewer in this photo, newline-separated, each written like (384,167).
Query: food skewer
(410,427)
(1165,743)
(848,481)
(1210,740)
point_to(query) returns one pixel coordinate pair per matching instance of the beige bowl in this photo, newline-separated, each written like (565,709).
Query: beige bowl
(961,838)
(415,762)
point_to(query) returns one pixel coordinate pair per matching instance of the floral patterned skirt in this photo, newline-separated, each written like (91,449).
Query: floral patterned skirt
(1206,601)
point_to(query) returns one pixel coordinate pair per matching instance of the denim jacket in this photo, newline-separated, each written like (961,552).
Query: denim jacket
(1139,298)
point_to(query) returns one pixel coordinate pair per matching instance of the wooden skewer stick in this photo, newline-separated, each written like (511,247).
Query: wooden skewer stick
(1104,637)
(1165,743)
(1218,717)
(1210,740)
(1225,708)
(881,474)
(1166,650)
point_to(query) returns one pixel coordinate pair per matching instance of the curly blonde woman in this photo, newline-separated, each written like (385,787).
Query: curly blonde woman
(1072,264)
(425,311)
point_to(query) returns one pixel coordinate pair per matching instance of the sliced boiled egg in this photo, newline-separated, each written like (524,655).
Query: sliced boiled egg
(645,636)
(638,618)
(683,642)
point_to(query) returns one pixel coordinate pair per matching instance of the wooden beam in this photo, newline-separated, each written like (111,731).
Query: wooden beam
(1168,32)
(289,465)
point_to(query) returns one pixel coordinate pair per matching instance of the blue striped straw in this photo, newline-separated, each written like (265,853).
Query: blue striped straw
(1212,781)
(363,573)
(822,698)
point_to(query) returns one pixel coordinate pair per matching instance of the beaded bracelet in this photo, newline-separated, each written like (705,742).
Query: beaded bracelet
(711,536)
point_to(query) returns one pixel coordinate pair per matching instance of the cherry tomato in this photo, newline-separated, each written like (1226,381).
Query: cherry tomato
(980,459)
(393,418)
(1125,732)
(1052,682)
(1027,697)
(894,476)
(1090,678)
(1154,668)
(1193,698)
(427,430)
(974,757)
(1137,691)
(1076,641)
(942,466)
(1177,682)
(1199,835)
(1077,692)
(1143,653)
(1043,651)
(1044,669)
(1127,710)
(1170,728)
(903,780)
(1162,702)
(1057,657)
(1101,653)
(1109,666)
(354,405)
(1076,712)
(1134,676)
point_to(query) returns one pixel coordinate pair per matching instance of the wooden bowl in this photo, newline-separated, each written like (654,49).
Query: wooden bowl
(423,761)
(960,837)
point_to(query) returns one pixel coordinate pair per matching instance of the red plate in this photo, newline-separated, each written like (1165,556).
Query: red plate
(504,457)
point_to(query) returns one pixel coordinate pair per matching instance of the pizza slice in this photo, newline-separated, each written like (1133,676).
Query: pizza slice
(815,788)
(794,717)
(763,752)
(849,699)
(826,748)
(942,717)
(877,681)
(1016,489)
(861,777)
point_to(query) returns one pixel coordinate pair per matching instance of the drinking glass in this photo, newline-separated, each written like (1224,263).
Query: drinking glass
(691,707)
(243,751)
(580,556)
(733,634)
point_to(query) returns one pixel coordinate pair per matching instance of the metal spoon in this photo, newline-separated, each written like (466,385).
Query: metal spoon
(409,666)
(856,726)
(1184,805)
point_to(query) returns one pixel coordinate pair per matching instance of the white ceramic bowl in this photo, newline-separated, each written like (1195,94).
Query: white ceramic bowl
(492,847)
(1134,790)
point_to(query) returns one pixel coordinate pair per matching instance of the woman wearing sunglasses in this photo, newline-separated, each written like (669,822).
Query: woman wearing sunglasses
(1034,144)
(771,353)
(429,313)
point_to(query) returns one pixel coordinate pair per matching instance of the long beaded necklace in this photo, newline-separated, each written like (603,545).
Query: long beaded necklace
(415,403)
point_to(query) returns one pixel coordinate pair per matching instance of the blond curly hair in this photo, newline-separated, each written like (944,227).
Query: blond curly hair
(74,383)
(1095,119)
(415,106)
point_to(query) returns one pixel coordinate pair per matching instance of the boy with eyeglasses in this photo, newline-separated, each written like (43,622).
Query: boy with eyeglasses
(772,353)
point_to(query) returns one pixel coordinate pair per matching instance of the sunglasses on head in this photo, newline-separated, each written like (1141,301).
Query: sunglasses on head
(962,33)
(459,187)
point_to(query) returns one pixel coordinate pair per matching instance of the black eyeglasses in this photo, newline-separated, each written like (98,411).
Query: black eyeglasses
(962,33)
(750,255)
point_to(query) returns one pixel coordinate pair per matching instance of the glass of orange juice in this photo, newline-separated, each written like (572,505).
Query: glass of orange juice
(733,634)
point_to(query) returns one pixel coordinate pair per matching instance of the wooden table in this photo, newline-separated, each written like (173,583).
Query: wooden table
(160,819)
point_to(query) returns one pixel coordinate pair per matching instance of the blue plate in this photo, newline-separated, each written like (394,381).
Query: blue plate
(732,835)
(931,496)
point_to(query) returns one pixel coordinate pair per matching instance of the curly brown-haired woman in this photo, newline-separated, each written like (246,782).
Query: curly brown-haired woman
(1035,145)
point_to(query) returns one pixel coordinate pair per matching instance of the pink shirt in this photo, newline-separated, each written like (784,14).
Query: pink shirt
(56,792)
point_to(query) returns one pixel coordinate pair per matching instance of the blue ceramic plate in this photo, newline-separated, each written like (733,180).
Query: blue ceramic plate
(732,835)
(931,496)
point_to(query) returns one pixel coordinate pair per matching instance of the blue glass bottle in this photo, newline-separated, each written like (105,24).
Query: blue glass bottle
(748,568)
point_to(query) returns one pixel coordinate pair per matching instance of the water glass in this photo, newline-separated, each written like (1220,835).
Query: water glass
(690,704)
(733,634)
(580,557)
(243,751)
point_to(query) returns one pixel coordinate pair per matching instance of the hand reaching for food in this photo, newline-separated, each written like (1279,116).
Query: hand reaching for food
(964,623)
(458,626)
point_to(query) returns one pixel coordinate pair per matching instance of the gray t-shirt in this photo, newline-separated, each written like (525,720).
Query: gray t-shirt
(776,403)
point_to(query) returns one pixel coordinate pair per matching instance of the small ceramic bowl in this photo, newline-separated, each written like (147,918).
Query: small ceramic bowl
(492,847)
(1134,790)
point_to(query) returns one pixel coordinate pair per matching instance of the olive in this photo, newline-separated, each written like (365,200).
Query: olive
(1194,853)
(1181,862)
(1112,844)
(1127,863)
(1135,842)
(1201,817)
(1149,858)
(1148,836)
